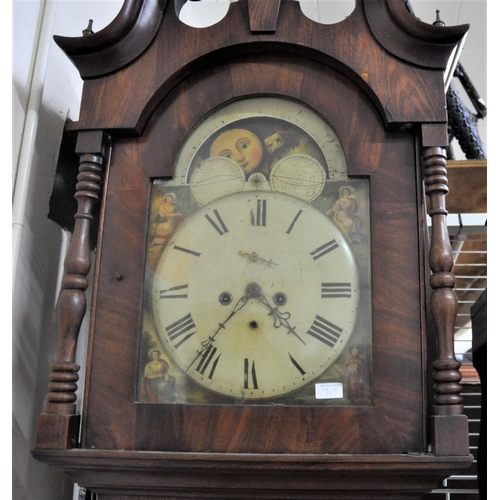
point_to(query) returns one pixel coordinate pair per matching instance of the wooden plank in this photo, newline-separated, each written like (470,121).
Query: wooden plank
(467,181)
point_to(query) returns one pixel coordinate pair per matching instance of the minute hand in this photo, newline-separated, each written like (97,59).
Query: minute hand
(205,345)
(280,318)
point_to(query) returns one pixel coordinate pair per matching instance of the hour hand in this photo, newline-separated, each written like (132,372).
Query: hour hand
(280,318)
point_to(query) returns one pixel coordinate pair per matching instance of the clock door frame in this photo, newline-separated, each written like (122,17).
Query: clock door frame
(395,422)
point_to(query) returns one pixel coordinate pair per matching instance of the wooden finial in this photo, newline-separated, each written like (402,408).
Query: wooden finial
(88,30)
(438,21)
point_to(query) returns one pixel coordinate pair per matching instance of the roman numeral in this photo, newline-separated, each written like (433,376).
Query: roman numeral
(289,230)
(186,250)
(181,330)
(260,218)
(171,293)
(207,360)
(294,362)
(335,290)
(326,332)
(219,226)
(324,249)
(247,373)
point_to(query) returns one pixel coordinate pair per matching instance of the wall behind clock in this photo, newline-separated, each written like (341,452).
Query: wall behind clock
(46,90)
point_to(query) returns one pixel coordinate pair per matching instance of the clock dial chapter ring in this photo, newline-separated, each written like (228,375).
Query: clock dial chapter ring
(244,354)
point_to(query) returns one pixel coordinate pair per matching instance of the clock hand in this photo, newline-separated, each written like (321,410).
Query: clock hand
(255,257)
(280,318)
(205,345)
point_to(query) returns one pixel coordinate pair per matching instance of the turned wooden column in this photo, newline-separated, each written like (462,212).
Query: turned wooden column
(58,425)
(448,415)
(444,302)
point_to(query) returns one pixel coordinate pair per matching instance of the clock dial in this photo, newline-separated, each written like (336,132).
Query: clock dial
(255,295)
(258,264)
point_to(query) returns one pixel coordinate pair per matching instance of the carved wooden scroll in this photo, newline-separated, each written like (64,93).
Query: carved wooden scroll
(119,43)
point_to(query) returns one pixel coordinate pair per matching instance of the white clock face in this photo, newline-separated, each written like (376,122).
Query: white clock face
(255,295)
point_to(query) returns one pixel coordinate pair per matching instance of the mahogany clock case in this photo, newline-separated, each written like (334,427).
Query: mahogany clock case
(395,421)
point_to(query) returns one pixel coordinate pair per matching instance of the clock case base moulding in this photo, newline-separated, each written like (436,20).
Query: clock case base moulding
(120,475)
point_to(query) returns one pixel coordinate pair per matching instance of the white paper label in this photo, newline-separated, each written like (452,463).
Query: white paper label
(332,390)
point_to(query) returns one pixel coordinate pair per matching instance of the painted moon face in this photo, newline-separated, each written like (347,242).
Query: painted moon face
(242,146)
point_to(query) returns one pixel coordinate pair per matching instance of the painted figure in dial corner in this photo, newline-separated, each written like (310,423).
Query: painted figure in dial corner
(344,215)
(163,226)
(355,367)
(159,385)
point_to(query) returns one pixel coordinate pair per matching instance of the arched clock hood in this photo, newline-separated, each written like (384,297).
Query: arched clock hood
(148,34)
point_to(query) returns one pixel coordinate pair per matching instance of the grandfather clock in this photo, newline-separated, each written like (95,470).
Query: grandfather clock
(270,316)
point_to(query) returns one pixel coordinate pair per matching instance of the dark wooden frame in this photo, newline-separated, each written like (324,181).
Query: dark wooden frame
(396,309)
(387,104)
